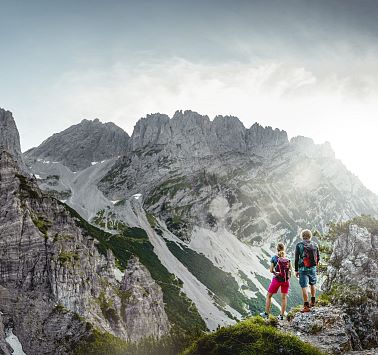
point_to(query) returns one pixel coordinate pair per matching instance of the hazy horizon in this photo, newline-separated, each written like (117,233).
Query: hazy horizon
(309,68)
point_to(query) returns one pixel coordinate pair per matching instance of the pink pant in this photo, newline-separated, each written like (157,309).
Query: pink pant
(275,285)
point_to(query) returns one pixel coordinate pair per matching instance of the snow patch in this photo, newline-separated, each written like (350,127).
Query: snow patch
(137,196)
(14,343)
(115,201)
(37,176)
(94,162)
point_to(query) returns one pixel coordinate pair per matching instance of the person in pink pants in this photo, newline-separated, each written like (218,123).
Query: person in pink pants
(280,267)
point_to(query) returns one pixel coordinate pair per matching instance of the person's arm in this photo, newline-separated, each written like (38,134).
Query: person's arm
(296,262)
(271,268)
(318,255)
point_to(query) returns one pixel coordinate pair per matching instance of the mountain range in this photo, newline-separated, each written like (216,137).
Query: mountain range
(170,227)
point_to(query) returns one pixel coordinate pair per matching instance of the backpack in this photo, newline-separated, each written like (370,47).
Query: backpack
(283,269)
(310,254)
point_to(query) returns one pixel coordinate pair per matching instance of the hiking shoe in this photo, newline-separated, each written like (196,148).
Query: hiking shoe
(281,317)
(312,303)
(264,315)
(306,308)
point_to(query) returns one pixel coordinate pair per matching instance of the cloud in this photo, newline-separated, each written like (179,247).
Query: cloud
(341,110)
(124,93)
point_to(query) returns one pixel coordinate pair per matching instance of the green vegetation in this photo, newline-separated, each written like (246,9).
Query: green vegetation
(68,257)
(249,282)
(151,220)
(26,188)
(364,221)
(218,281)
(107,219)
(99,343)
(168,188)
(59,308)
(338,229)
(107,308)
(41,223)
(253,336)
(181,310)
(350,295)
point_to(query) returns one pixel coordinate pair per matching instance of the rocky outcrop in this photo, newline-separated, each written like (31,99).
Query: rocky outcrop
(4,346)
(80,145)
(353,272)
(354,261)
(53,280)
(9,137)
(144,300)
(349,324)
(193,135)
(327,328)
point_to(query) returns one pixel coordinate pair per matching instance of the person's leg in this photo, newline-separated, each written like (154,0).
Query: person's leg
(312,282)
(273,288)
(268,302)
(305,294)
(283,303)
(285,286)
(313,290)
(303,282)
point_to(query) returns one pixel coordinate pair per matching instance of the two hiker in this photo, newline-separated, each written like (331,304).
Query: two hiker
(306,261)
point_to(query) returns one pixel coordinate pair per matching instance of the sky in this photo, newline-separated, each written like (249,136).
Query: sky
(308,67)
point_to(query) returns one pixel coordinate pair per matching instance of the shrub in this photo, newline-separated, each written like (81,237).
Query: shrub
(251,336)
(351,295)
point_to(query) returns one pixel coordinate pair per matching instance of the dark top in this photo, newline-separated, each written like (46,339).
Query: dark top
(299,255)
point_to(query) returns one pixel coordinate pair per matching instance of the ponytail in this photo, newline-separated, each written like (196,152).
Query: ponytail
(281,250)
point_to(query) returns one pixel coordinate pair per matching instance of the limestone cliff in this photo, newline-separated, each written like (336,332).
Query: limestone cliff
(55,285)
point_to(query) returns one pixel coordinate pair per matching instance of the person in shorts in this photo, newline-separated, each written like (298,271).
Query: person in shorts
(306,262)
(280,266)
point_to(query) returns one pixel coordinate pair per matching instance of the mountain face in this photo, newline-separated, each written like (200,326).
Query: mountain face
(9,136)
(213,198)
(83,144)
(59,284)
(217,173)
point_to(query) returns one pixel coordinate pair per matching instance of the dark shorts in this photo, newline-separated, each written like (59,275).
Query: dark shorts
(307,277)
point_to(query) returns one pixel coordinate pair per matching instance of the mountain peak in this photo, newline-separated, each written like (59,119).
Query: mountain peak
(196,134)
(307,145)
(9,136)
(81,144)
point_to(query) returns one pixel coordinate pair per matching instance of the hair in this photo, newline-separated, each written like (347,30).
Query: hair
(281,250)
(306,234)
